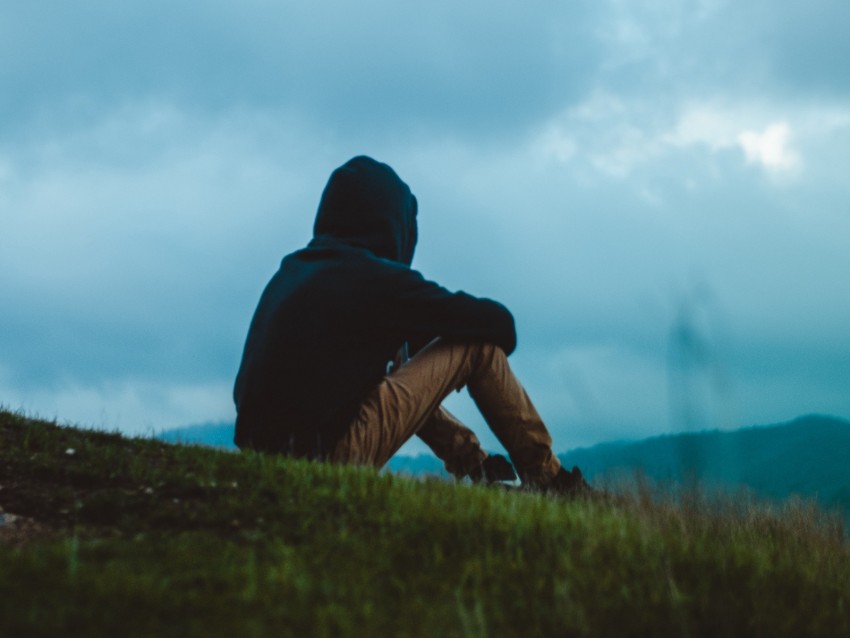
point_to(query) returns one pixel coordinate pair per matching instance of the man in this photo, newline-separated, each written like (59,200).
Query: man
(324,373)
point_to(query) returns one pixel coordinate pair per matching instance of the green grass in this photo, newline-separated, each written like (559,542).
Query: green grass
(134,537)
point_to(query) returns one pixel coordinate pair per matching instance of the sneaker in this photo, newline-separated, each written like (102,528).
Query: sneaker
(495,468)
(569,483)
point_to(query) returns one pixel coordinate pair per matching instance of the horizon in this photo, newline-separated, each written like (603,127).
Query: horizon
(422,450)
(665,216)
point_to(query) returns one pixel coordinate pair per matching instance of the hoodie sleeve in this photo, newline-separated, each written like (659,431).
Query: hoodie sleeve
(423,310)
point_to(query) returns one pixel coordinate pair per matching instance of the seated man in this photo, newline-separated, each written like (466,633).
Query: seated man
(317,378)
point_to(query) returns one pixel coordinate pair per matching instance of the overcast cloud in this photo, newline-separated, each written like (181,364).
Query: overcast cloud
(657,190)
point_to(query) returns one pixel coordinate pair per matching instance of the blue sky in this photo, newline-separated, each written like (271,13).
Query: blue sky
(657,190)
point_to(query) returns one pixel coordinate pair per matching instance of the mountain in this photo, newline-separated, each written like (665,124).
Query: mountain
(809,456)
(210,434)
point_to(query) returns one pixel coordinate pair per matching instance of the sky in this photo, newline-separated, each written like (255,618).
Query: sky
(657,190)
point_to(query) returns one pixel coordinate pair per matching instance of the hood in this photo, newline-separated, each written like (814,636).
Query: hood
(365,204)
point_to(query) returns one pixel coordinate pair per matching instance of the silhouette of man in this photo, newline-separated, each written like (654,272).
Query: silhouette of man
(325,373)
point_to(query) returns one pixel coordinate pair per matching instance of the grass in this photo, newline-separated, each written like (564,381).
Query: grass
(134,537)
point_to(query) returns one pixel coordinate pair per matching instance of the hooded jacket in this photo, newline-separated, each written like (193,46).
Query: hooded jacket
(339,309)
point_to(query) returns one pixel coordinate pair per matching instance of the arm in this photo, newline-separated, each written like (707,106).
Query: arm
(425,310)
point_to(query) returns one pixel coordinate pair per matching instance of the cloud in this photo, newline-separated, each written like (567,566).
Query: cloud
(770,148)
(132,246)
(725,128)
(585,164)
(618,136)
(359,70)
(780,139)
(803,45)
(135,406)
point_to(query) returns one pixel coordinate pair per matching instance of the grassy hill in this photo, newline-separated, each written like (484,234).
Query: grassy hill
(103,535)
(806,457)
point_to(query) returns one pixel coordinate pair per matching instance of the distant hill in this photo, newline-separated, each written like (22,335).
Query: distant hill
(809,456)
(211,434)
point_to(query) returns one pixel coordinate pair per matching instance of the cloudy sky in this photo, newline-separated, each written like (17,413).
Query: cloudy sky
(658,190)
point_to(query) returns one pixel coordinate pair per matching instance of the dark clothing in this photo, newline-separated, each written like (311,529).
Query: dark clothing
(338,310)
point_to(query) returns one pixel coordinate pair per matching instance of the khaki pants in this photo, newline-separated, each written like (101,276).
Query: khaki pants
(407,402)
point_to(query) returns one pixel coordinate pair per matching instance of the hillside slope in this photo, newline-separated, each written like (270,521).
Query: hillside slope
(102,535)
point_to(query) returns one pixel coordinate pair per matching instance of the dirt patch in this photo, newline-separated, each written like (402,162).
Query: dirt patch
(17,531)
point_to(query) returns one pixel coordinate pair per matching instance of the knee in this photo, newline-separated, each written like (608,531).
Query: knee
(491,350)
(489,354)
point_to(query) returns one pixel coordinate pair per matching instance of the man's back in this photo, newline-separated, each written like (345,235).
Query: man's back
(317,343)
(338,310)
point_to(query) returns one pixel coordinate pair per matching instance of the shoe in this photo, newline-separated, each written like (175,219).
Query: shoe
(495,468)
(569,483)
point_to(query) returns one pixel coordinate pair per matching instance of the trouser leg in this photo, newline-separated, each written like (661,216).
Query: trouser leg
(405,400)
(508,410)
(453,443)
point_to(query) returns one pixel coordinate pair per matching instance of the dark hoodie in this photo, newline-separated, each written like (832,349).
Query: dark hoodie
(338,310)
